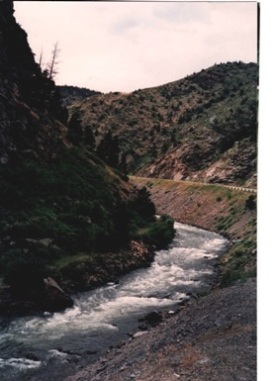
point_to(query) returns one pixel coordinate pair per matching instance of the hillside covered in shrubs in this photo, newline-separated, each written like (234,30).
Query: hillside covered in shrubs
(71,94)
(202,127)
(64,213)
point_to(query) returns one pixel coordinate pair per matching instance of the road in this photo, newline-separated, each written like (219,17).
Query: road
(188,182)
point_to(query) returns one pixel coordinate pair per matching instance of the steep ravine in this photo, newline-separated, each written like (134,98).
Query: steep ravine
(66,217)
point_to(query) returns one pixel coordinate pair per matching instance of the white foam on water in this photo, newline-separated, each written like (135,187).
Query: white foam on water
(182,267)
(19,363)
(179,266)
(215,245)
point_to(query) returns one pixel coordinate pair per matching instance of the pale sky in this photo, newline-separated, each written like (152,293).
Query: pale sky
(124,46)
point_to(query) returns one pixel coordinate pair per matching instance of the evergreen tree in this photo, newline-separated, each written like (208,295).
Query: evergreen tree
(88,138)
(144,206)
(75,133)
(123,163)
(108,150)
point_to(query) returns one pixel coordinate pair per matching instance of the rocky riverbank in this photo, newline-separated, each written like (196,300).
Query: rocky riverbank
(55,295)
(210,338)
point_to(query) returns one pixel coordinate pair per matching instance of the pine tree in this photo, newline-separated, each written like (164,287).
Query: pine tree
(108,150)
(75,133)
(88,138)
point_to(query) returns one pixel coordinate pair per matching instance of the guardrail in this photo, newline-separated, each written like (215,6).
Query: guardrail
(234,187)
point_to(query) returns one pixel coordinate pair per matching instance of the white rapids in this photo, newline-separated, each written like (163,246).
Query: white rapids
(104,316)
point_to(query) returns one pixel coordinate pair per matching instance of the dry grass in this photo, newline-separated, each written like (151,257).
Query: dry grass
(171,360)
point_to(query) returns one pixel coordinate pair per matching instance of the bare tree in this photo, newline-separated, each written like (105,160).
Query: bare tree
(52,65)
(40,62)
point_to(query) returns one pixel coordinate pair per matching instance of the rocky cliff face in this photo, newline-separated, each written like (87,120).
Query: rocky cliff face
(29,107)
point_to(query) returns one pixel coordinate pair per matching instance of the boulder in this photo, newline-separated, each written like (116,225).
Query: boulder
(54,298)
(153,318)
(49,298)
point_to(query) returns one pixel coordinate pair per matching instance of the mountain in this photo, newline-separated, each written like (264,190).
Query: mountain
(64,213)
(202,127)
(72,94)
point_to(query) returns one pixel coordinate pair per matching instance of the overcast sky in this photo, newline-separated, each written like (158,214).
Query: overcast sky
(123,46)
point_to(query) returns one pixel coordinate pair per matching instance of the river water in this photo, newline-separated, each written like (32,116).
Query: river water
(51,346)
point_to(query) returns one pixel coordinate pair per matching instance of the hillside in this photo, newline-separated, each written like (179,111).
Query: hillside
(202,127)
(72,94)
(64,213)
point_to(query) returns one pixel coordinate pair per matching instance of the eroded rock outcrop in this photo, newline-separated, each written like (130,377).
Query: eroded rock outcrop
(29,103)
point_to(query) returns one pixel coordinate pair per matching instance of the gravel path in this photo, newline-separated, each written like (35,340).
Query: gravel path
(212,338)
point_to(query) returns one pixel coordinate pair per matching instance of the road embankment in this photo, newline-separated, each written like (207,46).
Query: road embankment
(228,211)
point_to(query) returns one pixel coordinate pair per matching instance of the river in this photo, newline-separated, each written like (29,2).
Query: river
(51,346)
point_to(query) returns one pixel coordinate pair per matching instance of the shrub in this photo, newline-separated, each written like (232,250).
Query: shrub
(142,206)
(108,150)
(159,233)
(250,202)
(75,133)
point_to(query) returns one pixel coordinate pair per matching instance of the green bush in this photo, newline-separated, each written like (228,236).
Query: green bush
(250,202)
(159,233)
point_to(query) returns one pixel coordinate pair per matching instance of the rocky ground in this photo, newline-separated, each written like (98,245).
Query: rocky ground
(210,338)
